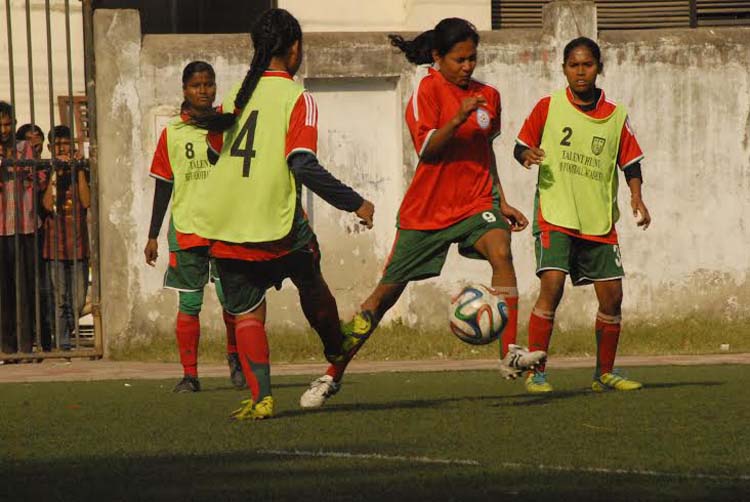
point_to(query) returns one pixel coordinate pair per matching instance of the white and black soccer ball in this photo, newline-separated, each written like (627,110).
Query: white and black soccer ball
(477,315)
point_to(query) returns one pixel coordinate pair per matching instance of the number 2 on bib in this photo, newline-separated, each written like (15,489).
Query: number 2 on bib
(246,135)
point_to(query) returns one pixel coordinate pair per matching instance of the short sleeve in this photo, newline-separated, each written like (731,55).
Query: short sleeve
(630,150)
(161,168)
(533,127)
(302,135)
(422,114)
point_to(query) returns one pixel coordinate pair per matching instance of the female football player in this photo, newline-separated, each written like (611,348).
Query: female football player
(251,204)
(577,138)
(179,166)
(455,196)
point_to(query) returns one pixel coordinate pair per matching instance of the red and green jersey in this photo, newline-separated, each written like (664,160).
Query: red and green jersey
(531,136)
(301,135)
(181,159)
(458,183)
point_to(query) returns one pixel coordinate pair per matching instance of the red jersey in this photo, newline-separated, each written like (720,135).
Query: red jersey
(301,136)
(458,183)
(531,137)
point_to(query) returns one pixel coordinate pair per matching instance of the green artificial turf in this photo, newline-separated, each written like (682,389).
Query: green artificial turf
(389,436)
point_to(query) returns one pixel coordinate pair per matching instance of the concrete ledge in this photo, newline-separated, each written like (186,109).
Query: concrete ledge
(85,370)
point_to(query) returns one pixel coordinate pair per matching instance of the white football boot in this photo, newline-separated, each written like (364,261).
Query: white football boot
(519,359)
(320,390)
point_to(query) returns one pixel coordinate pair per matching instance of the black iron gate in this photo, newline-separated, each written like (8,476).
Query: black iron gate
(49,266)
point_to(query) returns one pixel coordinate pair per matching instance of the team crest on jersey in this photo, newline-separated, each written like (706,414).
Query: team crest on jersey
(483,118)
(597,145)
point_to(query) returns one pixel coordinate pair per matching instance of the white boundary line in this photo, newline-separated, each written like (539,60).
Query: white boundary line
(368,456)
(508,465)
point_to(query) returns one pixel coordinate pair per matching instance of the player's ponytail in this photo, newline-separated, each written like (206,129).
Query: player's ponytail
(273,35)
(442,38)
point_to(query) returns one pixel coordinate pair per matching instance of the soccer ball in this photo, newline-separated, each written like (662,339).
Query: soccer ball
(477,315)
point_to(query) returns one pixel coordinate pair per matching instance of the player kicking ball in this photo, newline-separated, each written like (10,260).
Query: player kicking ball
(578,138)
(454,197)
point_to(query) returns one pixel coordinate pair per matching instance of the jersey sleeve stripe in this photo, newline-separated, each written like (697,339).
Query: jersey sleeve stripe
(156,176)
(415,99)
(426,141)
(518,140)
(633,161)
(311,111)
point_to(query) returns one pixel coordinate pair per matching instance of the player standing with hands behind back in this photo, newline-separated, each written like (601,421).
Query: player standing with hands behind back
(578,138)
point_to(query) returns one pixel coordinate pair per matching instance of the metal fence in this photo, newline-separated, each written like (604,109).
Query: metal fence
(49,266)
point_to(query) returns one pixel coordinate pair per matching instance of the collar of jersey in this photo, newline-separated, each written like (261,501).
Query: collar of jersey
(569,93)
(277,73)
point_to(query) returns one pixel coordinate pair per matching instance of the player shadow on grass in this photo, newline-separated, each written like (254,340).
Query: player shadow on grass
(228,386)
(400,405)
(540,399)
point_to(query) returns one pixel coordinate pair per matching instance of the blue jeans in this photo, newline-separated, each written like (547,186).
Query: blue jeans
(63,274)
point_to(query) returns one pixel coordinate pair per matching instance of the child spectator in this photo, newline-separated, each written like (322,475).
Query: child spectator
(66,246)
(33,134)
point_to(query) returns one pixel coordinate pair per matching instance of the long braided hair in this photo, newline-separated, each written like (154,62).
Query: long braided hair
(273,35)
(442,38)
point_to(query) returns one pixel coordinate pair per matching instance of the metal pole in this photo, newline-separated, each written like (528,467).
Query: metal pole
(90,74)
(16,239)
(34,188)
(73,177)
(53,248)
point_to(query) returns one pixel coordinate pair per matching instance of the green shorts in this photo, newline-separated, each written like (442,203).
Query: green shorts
(189,269)
(245,282)
(585,261)
(420,254)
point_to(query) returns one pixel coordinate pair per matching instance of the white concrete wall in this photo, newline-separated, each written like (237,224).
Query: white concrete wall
(39,57)
(384,15)
(687,92)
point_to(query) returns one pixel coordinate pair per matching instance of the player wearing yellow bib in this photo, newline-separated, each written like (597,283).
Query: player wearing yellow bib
(250,204)
(179,166)
(578,139)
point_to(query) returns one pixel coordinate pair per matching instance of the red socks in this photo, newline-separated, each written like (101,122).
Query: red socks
(510,333)
(252,345)
(607,336)
(540,332)
(188,330)
(231,339)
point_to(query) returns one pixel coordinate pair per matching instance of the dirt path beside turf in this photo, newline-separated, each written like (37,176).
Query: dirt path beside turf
(85,370)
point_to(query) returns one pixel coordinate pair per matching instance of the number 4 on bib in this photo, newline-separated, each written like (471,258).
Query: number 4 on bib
(246,135)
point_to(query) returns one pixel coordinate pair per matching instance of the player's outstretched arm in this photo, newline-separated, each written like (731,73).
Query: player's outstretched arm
(640,211)
(308,171)
(162,195)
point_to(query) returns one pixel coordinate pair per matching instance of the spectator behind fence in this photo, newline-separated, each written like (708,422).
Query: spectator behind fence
(66,243)
(33,134)
(19,221)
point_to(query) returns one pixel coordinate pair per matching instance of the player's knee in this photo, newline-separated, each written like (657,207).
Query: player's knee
(191,302)
(611,304)
(501,257)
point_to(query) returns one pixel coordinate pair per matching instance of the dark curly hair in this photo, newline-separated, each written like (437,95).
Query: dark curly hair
(273,34)
(442,38)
